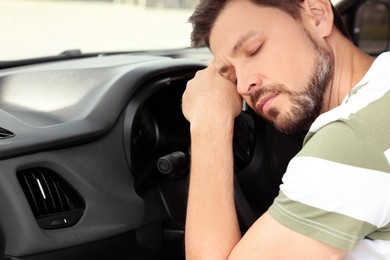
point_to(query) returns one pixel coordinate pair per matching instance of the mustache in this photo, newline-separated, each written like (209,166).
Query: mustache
(271,88)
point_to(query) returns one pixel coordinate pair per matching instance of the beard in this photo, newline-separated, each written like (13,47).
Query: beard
(306,105)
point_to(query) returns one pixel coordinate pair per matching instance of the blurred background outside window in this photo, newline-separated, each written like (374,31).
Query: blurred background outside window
(38,28)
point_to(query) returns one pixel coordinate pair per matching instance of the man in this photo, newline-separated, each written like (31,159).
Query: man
(290,62)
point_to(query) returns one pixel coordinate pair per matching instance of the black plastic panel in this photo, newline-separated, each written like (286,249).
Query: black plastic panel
(116,247)
(98,171)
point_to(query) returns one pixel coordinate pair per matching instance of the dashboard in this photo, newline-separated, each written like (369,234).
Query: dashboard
(94,158)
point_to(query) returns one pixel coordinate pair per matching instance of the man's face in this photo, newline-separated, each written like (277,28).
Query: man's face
(280,69)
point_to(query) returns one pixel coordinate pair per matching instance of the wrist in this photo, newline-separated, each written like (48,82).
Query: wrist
(215,129)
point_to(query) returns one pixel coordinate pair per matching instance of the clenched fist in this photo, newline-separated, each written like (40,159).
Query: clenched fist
(210,100)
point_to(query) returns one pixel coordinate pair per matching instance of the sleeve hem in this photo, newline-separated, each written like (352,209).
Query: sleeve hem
(286,219)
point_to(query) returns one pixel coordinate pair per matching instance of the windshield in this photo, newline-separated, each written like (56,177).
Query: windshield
(36,28)
(39,28)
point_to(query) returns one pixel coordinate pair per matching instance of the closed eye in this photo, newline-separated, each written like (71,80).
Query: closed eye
(228,73)
(255,51)
(230,77)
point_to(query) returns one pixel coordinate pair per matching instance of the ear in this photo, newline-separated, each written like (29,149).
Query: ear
(320,16)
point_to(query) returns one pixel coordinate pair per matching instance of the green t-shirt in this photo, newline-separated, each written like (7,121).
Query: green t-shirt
(337,188)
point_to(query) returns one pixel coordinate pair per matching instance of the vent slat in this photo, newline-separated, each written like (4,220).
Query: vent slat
(47,193)
(49,202)
(30,194)
(63,198)
(56,193)
(39,193)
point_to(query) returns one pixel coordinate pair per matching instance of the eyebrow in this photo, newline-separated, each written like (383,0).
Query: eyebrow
(242,40)
(238,47)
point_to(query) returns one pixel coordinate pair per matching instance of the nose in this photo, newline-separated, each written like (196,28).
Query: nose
(247,82)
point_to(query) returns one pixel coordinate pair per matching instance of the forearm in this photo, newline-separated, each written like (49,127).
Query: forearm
(212,228)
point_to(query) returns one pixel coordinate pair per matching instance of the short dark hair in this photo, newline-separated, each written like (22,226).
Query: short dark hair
(207,11)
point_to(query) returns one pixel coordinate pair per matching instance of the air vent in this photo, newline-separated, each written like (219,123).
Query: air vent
(53,201)
(4,133)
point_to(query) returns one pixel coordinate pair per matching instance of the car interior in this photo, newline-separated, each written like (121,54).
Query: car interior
(94,150)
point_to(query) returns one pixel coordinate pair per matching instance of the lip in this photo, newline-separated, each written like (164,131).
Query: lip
(264,104)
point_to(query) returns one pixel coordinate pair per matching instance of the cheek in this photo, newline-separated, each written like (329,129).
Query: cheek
(289,63)
(291,70)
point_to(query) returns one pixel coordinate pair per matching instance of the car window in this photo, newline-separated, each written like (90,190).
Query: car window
(35,28)
(372,28)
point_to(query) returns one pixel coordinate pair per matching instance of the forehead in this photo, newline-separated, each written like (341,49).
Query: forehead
(240,19)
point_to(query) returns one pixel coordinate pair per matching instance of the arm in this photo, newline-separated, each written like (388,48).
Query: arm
(267,239)
(211,103)
(211,226)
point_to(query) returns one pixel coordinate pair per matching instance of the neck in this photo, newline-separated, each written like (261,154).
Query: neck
(351,64)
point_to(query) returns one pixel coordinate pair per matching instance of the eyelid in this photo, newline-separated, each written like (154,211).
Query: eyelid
(228,75)
(255,50)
